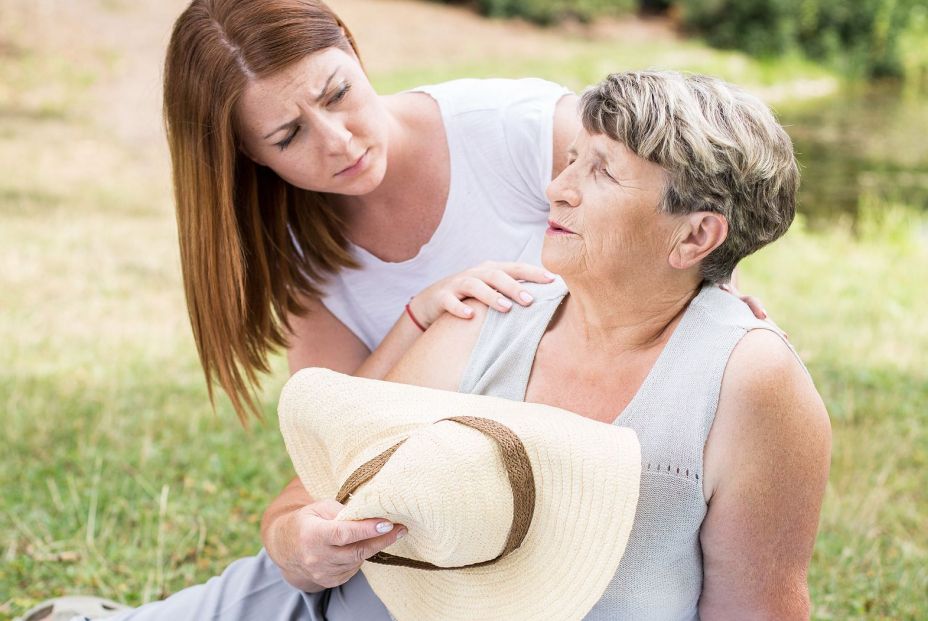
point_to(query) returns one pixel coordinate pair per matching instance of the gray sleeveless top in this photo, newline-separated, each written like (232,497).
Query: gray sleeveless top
(660,575)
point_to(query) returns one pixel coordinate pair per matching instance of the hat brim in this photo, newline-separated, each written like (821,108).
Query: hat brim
(587,477)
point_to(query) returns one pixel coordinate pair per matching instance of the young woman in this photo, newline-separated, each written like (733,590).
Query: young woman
(314,214)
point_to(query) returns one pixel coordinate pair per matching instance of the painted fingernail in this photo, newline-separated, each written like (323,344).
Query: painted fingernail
(401,534)
(468,311)
(504,303)
(526,297)
(764,313)
(384,527)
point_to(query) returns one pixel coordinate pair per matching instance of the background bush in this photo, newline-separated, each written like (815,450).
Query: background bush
(550,11)
(873,38)
(868,38)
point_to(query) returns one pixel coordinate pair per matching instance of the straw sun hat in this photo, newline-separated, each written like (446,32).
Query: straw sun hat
(513,510)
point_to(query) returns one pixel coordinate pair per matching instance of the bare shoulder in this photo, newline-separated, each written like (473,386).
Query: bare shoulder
(416,109)
(766,467)
(438,357)
(768,385)
(768,404)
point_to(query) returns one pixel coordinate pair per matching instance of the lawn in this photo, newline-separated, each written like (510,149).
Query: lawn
(119,479)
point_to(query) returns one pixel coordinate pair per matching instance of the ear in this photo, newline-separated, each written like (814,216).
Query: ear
(700,233)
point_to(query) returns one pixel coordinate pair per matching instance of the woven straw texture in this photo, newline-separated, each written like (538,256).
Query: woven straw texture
(448,485)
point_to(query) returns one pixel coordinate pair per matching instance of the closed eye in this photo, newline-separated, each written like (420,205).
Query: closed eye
(340,93)
(283,144)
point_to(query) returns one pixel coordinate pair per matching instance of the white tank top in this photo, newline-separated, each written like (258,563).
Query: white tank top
(499,136)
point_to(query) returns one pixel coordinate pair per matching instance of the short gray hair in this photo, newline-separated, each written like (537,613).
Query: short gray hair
(722,148)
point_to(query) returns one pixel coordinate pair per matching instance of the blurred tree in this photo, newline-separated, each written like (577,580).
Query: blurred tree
(550,11)
(874,38)
(871,38)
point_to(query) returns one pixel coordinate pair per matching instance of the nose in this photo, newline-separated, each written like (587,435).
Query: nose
(334,134)
(563,190)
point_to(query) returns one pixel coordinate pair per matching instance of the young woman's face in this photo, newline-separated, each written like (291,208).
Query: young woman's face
(318,124)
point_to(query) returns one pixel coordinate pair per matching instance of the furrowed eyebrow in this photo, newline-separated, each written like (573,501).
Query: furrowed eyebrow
(319,98)
(284,126)
(325,88)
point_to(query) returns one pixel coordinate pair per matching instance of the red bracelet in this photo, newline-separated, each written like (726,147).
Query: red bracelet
(413,317)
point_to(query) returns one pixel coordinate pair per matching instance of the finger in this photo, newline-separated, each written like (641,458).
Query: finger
(342,578)
(456,307)
(477,288)
(525,271)
(504,283)
(366,549)
(346,532)
(755,305)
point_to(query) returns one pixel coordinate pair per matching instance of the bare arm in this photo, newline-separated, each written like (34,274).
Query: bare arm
(312,550)
(766,466)
(319,339)
(438,358)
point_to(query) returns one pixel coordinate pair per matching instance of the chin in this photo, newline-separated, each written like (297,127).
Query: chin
(367,182)
(553,258)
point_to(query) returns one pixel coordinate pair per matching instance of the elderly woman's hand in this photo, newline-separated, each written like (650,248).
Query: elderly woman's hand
(321,552)
(496,284)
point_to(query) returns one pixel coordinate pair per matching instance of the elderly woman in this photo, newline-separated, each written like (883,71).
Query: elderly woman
(671,181)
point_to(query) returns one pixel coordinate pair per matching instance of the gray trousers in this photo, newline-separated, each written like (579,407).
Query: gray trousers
(252,589)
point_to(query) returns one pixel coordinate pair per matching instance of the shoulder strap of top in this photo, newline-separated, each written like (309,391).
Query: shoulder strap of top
(502,358)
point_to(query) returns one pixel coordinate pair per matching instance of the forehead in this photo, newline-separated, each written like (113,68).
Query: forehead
(601,145)
(276,94)
(630,164)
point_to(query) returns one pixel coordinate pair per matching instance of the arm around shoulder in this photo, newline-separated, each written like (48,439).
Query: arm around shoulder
(438,358)
(766,468)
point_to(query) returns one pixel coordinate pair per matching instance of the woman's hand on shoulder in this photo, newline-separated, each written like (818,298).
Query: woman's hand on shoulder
(766,467)
(756,306)
(495,284)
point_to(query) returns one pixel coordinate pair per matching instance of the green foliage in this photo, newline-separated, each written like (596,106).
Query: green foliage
(552,11)
(875,38)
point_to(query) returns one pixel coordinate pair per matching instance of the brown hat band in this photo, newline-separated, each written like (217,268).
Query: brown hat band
(521,479)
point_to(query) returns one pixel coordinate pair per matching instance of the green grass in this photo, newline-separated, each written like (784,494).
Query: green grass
(118,479)
(854,307)
(578,63)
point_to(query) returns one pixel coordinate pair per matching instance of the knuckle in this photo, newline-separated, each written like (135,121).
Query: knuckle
(472,285)
(341,537)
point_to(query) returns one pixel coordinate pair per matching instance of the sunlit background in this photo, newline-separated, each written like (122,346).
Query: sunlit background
(118,479)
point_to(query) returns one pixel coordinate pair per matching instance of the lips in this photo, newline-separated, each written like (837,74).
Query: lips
(354,165)
(558,228)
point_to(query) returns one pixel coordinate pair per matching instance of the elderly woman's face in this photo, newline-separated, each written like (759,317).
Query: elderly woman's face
(605,219)
(318,124)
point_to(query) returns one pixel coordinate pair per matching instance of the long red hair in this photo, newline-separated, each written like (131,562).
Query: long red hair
(251,245)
